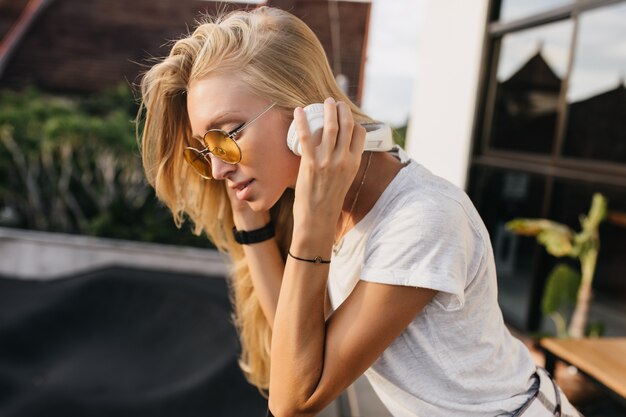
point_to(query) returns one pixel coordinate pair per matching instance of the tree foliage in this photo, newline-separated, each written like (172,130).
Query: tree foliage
(71,164)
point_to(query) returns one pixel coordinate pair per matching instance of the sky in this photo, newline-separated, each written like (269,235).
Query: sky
(391,65)
(599,63)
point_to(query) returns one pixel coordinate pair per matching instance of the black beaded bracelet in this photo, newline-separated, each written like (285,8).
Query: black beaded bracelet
(247,237)
(316,260)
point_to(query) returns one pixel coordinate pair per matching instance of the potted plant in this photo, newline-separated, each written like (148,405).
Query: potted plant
(559,240)
(565,285)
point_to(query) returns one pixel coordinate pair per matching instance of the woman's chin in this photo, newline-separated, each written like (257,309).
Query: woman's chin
(261,205)
(258,206)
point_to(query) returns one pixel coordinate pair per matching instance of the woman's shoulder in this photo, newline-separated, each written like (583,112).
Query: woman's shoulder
(419,201)
(416,188)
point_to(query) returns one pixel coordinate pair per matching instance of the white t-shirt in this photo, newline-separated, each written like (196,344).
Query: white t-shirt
(456,358)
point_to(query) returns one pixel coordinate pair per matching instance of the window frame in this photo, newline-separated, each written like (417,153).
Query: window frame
(554,166)
(561,165)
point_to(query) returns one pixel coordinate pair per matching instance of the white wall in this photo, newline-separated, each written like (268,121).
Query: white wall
(445,92)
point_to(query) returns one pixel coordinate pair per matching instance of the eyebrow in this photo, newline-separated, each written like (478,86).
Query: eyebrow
(224,117)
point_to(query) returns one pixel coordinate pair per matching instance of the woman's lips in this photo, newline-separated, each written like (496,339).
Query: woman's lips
(243,190)
(240,185)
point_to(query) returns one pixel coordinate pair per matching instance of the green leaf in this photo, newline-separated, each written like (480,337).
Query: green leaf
(561,288)
(558,242)
(526,227)
(532,227)
(556,237)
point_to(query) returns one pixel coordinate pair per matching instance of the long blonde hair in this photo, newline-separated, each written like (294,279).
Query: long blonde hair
(279,58)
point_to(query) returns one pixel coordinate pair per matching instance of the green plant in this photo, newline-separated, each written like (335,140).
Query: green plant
(71,164)
(399,135)
(565,284)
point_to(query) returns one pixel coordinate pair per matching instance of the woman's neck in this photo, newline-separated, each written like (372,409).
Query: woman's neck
(383,167)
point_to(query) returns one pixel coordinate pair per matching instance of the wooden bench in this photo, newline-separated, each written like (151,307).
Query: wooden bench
(603,360)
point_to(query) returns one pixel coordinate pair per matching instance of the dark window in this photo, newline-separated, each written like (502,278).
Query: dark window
(551,133)
(596,97)
(529,77)
(500,195)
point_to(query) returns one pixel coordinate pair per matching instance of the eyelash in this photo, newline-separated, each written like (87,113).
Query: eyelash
(236,127)
(226,129)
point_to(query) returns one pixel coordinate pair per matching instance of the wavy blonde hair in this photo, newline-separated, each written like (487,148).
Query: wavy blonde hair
(279,58)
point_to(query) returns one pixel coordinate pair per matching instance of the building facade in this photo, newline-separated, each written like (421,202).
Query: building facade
(77,46)
(529,119)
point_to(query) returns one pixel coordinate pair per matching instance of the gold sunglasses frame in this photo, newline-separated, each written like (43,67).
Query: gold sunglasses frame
(232,135)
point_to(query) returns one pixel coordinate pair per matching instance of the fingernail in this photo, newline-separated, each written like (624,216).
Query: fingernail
(330,100)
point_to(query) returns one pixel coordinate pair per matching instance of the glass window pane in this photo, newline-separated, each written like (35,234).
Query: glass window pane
(531,66)
(500,196)
(517,9)
(570,199)
(596,127)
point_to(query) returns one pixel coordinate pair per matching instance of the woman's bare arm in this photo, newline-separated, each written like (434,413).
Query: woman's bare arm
(313,360)
(264,259)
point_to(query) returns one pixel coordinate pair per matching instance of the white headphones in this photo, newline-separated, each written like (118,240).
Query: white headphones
(378,137)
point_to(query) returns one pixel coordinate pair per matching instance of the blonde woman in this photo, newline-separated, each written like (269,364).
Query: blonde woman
(344,262)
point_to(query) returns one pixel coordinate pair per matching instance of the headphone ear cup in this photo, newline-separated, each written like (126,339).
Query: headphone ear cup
(378,136)
(315,117)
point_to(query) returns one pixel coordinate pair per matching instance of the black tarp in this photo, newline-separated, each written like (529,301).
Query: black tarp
(121,342)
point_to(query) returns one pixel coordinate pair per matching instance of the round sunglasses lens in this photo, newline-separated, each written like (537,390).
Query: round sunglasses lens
(222,146)
(198,162)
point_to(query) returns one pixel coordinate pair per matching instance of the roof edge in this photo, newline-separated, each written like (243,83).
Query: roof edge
(19,29)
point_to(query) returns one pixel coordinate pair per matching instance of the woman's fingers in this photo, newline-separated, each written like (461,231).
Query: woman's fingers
(304,133)
(328,167)
(331,127)
(337,132)
(346,128)
(236,204)
(243,216)
(340,137)
(357,141)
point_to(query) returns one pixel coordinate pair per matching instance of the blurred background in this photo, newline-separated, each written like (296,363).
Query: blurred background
(107,308)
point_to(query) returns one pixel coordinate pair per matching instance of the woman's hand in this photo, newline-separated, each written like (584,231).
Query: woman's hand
(330,161)
(263,259)
(243,216)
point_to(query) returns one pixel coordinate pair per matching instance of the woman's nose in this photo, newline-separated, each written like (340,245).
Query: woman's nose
(220,169)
